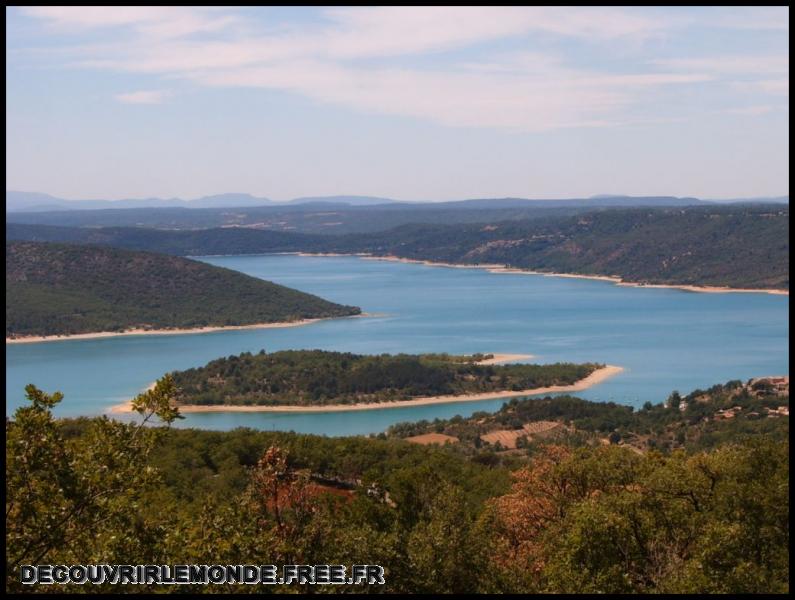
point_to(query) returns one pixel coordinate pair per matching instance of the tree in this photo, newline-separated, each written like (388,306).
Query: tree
(674,400)
(444,554)
(77,500)
(707,523)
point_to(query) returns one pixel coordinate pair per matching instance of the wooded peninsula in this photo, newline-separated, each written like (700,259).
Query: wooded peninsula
(63,289)
(318,378)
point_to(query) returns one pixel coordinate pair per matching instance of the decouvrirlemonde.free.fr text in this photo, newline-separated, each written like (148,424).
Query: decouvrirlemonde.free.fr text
(202,574)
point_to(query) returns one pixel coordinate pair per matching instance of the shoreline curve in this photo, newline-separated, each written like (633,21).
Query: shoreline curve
(501,268)
(594,378)
(35,339)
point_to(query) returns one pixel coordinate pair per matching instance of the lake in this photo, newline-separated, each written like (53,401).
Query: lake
(665,339)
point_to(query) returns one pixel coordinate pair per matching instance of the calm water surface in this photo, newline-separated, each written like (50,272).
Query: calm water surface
(666,339)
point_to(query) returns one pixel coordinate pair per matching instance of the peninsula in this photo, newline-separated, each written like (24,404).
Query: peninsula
(320,381)
(63,291)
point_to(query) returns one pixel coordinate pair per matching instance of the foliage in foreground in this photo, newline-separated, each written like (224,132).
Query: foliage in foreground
(79,500)
(589,519)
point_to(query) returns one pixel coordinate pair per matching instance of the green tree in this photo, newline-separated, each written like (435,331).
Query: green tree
(712,522)
(77,500)
(444,554)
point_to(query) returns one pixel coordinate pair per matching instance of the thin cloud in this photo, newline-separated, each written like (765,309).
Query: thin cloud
(761,18)
(143,97)
(729,64)
(349,58)
(751,110)
(521,101)
(773,86)
(156,21)
(765,74)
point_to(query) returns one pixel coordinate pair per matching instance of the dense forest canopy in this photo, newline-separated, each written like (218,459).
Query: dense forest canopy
(317,377)
(67,289)
(745,246)
(555,518)
(737,247)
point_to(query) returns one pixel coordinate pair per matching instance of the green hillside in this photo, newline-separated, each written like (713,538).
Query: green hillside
(735,247)
(316,377)
(745,246)
(67,289)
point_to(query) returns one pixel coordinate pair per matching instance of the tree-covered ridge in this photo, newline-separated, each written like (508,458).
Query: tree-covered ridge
(195,242)
(67,289)
(701,420)
(317,377)
(735,247)
(743,246)
(565,520)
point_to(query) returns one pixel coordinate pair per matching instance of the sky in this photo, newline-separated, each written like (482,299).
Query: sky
(412,103)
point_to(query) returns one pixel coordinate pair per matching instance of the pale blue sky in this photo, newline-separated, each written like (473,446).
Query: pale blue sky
(408,103)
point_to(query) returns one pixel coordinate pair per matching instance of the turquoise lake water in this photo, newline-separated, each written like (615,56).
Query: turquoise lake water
(665,339)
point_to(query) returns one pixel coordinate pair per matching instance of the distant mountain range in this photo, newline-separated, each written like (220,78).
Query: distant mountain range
(37,202)
(349,200)
(761,199)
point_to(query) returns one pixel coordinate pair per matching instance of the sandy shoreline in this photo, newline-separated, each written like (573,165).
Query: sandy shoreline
(707,289)
(497,359)
(500,268)
(497,268)
(594,378)
(209,329)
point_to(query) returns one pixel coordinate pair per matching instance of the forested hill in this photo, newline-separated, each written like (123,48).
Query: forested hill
(737,246)
(199,242)
(55,289)
(317,377)
(701,420)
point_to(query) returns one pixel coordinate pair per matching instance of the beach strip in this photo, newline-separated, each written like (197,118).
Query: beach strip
(30,339)
(594,378)
(707,289)
(496,268)
(498,359)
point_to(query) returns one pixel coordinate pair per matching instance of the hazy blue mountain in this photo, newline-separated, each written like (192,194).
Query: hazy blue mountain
(32,201)
(350,200)
(335,217)
(634,199)
(595,201)
(756,200)
(36,202)
(227,200)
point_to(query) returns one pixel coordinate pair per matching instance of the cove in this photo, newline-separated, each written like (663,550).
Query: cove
(666,339)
